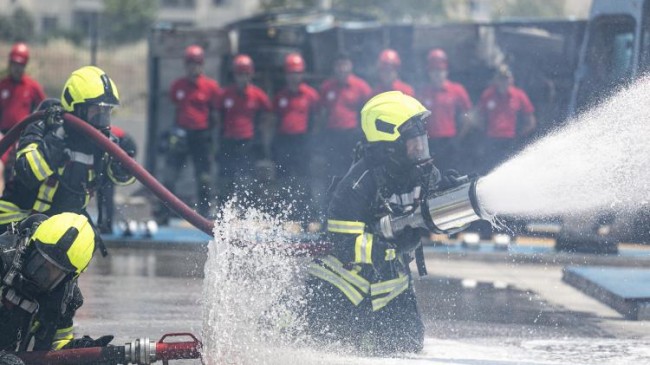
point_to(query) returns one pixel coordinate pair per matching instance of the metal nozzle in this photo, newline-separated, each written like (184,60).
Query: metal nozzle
(456,207)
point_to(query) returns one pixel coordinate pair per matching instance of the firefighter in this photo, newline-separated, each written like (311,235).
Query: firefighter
(195,96)
(342,97)
(294,106)
(40,261)
(362,294)
(19,93)
(19,97)
(247,120)
(57,168)
(450,111)
(388,65)
(499,108)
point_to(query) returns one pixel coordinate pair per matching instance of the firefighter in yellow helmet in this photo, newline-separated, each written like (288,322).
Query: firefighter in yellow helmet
(361,294)
(58,169)
(40,261)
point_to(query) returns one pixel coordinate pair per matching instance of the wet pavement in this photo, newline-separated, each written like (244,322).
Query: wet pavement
(475,312)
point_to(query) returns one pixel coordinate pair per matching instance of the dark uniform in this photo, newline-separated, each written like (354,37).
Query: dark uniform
(39,290)
(361,294)
(50,180)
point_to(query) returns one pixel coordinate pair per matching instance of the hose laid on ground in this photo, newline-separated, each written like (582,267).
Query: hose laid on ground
(166,196)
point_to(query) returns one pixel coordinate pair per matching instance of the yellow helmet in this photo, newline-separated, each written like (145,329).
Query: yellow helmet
(87,86)
(384,114)
(66,240)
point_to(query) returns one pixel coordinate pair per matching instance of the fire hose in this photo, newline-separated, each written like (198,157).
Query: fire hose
(141,351)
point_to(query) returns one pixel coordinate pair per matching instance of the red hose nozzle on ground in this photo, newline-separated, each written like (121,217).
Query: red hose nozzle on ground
(141,351)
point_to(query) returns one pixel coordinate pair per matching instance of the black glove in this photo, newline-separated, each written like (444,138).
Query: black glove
(450,178)
(53,117)
(409,239)
(87,341)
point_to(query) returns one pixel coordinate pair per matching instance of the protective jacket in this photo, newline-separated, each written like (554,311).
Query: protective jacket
(54,175)
(48,322)
(362,293)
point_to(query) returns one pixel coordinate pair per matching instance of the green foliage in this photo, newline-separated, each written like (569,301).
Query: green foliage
(19,26)
(127,21)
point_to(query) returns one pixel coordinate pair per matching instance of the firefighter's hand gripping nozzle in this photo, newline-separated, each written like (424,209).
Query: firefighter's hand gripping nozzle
(446,211)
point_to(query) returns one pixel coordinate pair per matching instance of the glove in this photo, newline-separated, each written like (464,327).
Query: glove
(451,178)
(54,117)
(408,239)
(87,341)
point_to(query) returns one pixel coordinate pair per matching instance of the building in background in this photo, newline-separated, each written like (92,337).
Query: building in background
(53,15)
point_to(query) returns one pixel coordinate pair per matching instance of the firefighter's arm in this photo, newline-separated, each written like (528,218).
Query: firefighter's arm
(40,153)
(354,238)
(118,174)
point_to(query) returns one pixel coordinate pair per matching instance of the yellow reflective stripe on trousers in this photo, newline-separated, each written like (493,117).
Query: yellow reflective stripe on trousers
(62,337)
(348,227)
(36,161)
(351,277)
(10,212)
(45,196)
(347,289)
(363,249)
(393,287)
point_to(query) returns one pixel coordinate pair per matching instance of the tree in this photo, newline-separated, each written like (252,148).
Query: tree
(125,21)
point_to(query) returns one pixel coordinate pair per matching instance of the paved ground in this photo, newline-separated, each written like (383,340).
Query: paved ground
(476,312)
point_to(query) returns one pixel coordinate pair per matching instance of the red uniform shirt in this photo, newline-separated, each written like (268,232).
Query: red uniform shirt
(193,100)
(445,103)
(239,110)
(294,108)
(18,99)
(343,101)
(501,111)
(398,85)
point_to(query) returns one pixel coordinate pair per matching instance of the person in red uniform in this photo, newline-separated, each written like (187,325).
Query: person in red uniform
(342,97)
(450,111)
(244,109)
(195,96)
(294,106)
(19,97)
(19,93)
(499,108)
(388,65)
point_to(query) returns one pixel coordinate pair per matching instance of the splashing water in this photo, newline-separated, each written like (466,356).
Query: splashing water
(251,286)
(599,161)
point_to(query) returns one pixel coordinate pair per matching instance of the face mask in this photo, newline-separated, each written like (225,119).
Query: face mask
(42,274)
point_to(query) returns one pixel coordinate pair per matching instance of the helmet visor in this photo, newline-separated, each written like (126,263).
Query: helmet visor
(417,148)
(99,115)
(44,273)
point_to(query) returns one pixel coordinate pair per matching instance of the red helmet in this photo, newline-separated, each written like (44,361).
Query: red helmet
(294,63)
(19,53)
(437,59)
(194,53)
(389,58)
(243,64)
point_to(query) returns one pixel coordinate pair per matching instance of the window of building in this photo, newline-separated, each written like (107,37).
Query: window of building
(49,23)
(179,3)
